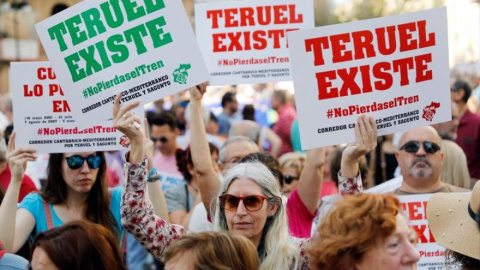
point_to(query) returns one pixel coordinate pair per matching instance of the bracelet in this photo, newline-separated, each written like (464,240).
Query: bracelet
(153,176)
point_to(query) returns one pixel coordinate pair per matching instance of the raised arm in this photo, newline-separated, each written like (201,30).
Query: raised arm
(155,192)
(365,141)
(16,225)
(138,217)
(208,180)
(310,182)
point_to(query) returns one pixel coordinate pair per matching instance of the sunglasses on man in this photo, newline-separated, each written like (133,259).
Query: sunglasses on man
(252,203)
(76,162)
(162,139)
(413,146)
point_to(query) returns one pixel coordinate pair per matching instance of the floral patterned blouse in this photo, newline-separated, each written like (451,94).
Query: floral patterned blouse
(156,234)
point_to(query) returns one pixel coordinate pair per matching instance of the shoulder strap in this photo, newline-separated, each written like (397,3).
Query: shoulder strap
(188,201)
(123,244)
(48,215)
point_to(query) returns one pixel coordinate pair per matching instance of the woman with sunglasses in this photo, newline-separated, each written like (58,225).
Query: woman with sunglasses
(76,189)
(248,202)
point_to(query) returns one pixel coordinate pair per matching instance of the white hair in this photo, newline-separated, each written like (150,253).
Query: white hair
(276,251)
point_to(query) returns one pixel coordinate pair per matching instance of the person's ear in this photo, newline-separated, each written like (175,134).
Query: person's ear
(274,208)
(191,169)
(221,166)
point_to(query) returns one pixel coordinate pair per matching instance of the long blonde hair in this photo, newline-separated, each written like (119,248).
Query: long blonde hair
(276,251)
(454,170)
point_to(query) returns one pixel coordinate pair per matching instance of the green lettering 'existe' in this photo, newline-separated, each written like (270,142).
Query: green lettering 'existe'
(76,73)
(103,54)
(91,65)
(133,10)
(114,45)
(107,13)
(76,34)
(93,23)
(136,33)
(56,32)
(156,32)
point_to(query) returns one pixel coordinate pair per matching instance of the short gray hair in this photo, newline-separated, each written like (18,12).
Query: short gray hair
(247,128)
(222,155)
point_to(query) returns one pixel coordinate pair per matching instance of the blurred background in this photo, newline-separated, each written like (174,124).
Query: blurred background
(19,41)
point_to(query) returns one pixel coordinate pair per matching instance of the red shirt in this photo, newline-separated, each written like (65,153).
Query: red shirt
(2,250)
(468,138)
(283,127)
(26,187)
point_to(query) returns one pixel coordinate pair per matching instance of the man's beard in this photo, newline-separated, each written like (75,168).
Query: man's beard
(424,171)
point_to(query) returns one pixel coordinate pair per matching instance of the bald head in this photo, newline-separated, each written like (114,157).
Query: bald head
(426,133)
(246,128)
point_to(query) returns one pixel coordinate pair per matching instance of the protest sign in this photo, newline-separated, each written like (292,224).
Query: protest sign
(143,49)
(43,118)
(246,41)
(393,68)
(414,209)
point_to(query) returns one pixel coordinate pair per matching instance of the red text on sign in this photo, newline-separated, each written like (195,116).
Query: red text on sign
(248,16)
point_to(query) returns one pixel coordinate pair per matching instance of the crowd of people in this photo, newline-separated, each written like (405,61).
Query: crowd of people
(198,190)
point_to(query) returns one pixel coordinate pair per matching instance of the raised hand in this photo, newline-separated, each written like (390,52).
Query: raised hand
(197,92)
(316,156)
(18,158)
(124,120)
(129,124)
(365,141)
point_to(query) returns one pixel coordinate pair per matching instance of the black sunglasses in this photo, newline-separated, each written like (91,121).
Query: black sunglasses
(413,146)
(162,139)
(289,179)
(76,162)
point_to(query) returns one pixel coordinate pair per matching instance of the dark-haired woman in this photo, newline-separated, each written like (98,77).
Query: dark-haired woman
(76,189)
(78,245)
(181,200)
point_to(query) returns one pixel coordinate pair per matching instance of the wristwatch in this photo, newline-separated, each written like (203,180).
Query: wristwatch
(153,176)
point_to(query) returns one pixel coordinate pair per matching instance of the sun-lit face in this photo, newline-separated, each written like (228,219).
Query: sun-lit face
(234,152)
(396,252)
(294,175)
(81,179)
(420,165)
(164,138)
(41,260)
(248,223)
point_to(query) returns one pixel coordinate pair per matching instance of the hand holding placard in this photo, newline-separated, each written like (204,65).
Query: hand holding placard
(365,141)
(123,120)
(18,158)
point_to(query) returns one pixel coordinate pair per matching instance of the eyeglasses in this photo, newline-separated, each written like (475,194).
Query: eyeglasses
(413,146)
(76,162)
(162,139)
(251,203)
(289,179)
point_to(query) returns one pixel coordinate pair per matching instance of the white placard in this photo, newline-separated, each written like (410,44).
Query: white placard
(144,49)
(414,207)
(42,117)
(393,68)
(246,41)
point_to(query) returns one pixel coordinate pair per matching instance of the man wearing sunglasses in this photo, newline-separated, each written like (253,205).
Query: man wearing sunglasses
(420,159)
(164,134)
